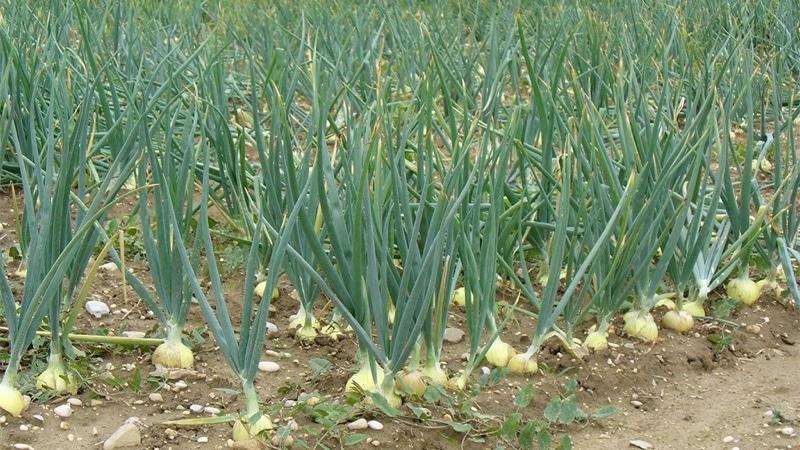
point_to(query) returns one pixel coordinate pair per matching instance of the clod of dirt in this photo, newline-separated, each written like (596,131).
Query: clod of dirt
(126,436)
(453,335)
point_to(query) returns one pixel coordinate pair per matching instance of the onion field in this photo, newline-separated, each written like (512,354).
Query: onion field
(399,224)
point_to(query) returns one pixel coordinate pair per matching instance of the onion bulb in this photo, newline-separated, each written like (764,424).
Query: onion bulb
(363,380)
(500,353)
(56,377)
(641,325)
(243,430)
(298,320)
(694,308)
(743,290)
(173,354)
(596,341)
(411,382)
(261,287)
(306,334)
(459,297)
(11,399)
(523,364)
(458,382)
(680,321)
(435,374)
(333,330)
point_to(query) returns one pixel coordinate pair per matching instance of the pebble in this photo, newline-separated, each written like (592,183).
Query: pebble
(453,335)
(485,370)
(268,366)
(179,385)
(289,403)
(94,431)
(71,437)
(155,397)
(195,408)
(727,439)
(638,443)
(64,410)
(375,425)
(38,417)
(753,329)
(95,402)
(134,334)
(271,328)
(376,443)
(108,267)
(2,420)
(126,436)
(360,424)
(63,425)
(787,431)
(636,403)
(97,308)
(211,410)
(23,427)
(74,401)
(170,433)
(23,447)
(202,439)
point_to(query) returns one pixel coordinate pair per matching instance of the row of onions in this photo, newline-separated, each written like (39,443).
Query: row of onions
(401,177)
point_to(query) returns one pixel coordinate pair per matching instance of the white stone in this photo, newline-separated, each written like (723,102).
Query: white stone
(271,328)
(195,408)
(727,439)
(179,385)
(75,401)
(108,267)
(134,334)
(126,436)
(485,370)
(453,335)
(23,447)
(211,410)
(23,427)
(375,425)
(202,439)
(788,431)
(638,443)
(268,366)
(155,397)
(97,308)
(64,410)
(360,424)
(38,417)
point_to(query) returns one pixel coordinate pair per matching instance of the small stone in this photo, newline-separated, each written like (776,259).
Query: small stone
(75,401)
(126,436)
(97,308)
(375,425)
(485,370)
(453,335)
(179,385)
(38,417)
(211,410)
(753,329)
(376,443)
(636,403)
(727,439)
(202,439)
(360,424)
(638,443)
(95,402)
(292,424)
(170,433)
(289,403)
(71,437)
(23,447)
(64,410)
(108,267)
(271,328)
(94,431)
(134,334)
(268,366)
(23,427)
(155,397)
(787,431)
(26,402)
(63,425)
(195,408)
(2,420)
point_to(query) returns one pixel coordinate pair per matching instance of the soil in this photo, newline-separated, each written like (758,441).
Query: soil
(678,393)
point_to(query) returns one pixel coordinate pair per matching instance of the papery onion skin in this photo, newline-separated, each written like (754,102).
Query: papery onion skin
(679,321)
(500,353)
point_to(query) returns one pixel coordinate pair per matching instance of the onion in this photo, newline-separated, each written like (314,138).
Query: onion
(363,380)
(11,399)
(694,308)
(306,334)
(641,325)
(458,382)
(173,354)
(56,377)
(523,364)
(500,353)
(243,430)
(744,290)
(410,382)
(435,374)
(596,341)
(459,297)
(680,321)
(261,287)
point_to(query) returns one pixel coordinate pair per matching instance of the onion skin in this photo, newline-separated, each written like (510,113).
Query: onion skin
(411,382)
(694,308)
(457,383)
(244,431)
(679,321)
(500,353)
(261,287)
(363,379)
(523,364)
(173,355)
(596,341)
(459,297)
(11,399)
(306,334)
(58,379)
(744,290)
(641,325)
(435,374)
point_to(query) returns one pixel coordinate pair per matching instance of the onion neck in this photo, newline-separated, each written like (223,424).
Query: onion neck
(250,399)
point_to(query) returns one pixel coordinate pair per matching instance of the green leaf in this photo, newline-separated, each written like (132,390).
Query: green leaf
(511,425)
(419,412)
(566,443)
(380,401)
(605,411)
(354,439)
(569,410)
(460,427)
(433,394)
(319,365)
(553,410)
(526,435)
(524,396)
(571,386)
